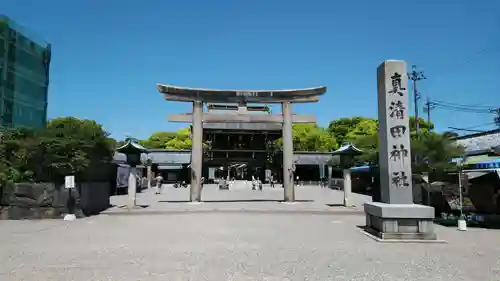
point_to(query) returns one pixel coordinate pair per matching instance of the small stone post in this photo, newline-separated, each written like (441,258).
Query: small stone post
(347,187)
(150,176)
(132,188)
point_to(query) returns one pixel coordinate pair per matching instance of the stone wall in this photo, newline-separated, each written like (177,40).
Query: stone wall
(49,200)
(94,197)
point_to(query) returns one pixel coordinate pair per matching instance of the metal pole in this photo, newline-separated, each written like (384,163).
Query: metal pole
(428,110)
(416,97)
(460,189)
(416,76)
(462,223)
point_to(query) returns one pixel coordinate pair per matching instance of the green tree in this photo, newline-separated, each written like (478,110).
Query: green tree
(341,127)
(347,129)
(16,149)
(181,141)
(366,127)
(450,135)
(424,125)
(369,145)
(158,140)
(310,137)
(434,152)
(67,146)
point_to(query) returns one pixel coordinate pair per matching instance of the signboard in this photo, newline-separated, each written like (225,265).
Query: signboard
(122,176)
(69,182)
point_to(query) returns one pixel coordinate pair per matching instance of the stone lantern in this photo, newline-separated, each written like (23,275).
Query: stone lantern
(133,151)
(347,153)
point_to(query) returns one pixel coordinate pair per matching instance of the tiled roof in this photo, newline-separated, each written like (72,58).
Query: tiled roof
(161,157)
(184,157)
(311,158)
(480,142)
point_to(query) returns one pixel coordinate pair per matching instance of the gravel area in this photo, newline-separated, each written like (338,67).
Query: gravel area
(235,246)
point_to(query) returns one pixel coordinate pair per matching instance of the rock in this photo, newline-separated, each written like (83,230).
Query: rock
(47,200)
(26,190)
(4,213)
(30,195)
(21,213)
(6,193)
(24,202)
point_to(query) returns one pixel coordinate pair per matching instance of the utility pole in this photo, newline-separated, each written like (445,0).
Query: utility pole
(428,106)
(415,76)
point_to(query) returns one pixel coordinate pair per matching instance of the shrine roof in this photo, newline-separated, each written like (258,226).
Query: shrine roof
(186,94)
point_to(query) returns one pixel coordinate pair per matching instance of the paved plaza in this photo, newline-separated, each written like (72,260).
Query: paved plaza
(232,241)
(240,197)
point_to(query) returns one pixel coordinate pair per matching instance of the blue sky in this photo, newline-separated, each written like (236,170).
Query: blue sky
(109,55)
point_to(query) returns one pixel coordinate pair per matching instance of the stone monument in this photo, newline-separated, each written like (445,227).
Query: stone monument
(396,216)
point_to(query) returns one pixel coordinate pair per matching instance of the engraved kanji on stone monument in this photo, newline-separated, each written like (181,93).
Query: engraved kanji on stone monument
(394,137)
(397,109)
(396,85)
(398,131)
(399,153)
(399,179)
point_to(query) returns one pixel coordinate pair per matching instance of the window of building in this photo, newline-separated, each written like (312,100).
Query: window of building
(12,35)
(3,27)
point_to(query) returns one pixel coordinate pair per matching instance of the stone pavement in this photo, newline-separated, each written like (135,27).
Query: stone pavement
(237,245)
(239,198)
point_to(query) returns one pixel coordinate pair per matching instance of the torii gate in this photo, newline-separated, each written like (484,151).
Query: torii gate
(199,96)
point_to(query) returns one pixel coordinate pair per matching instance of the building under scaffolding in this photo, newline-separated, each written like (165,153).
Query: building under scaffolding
(24,76)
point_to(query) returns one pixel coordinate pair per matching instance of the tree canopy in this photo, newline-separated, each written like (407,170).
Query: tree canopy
(434,149)
(68,146)
(310,137)
(73,146)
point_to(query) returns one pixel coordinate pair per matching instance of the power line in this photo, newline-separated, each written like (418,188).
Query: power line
(464,105)
(415,76)
(473,128)
(464,108)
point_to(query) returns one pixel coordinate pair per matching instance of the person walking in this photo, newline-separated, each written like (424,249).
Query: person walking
(159,182)
(271,181)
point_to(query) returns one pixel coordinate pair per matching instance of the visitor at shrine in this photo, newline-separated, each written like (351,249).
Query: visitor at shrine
(159,182)
(271,180)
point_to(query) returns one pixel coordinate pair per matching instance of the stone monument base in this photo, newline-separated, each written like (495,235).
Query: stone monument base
(400,221)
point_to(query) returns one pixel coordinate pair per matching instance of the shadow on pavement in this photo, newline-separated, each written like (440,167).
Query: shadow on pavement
(335,205)
(233,201)
(136,206)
